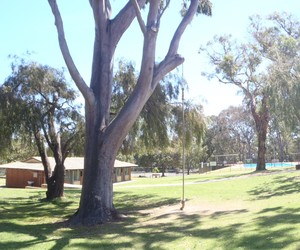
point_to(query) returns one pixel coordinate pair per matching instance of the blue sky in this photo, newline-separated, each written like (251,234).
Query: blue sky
(29,26)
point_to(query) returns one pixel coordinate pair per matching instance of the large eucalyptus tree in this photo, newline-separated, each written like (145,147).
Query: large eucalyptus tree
(104,136)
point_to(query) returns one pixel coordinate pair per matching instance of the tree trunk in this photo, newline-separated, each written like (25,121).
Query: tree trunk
(281,148)
(55,184)
(104,138)
(261,154)
(101,143)
(55,180)
(249,151)
(96,202)
(163,170)
(261,119)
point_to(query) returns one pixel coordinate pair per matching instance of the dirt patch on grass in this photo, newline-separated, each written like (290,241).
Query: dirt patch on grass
(202,208)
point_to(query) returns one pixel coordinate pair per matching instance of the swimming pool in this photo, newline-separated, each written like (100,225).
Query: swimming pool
(271,165)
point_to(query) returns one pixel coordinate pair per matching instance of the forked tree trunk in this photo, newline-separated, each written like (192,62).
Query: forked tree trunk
(55,184)
(104,137)
(55,180)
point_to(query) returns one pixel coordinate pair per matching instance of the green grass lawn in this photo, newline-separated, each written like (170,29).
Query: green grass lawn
(224,210)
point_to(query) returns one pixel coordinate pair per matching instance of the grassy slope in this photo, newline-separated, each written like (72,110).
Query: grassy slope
(258,212)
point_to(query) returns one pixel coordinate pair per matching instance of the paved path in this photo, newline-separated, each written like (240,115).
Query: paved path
(214,180)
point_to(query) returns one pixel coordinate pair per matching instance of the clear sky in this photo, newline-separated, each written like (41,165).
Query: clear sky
(29,26)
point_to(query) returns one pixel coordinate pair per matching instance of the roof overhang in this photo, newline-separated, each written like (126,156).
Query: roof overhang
(71,163)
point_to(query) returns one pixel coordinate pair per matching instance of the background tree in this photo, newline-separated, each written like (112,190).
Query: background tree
(241,128)
(283,51)
(266,69)
(219,139)
(150,131)
(280,43)
(169,159)
(14,145)
(40,104)
(104,136)
(231,132)
(191,130)
(159,123)
(280,140)
(243,65)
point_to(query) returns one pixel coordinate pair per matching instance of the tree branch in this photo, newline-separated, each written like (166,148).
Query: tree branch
(181,28)
(80,83)
(139,16)
(163,11)
(166,66)
(123,20)
(172,59)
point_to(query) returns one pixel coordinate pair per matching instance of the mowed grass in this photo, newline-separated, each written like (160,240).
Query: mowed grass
(224,210)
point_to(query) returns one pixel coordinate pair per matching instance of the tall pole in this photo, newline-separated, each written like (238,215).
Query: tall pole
(183,145)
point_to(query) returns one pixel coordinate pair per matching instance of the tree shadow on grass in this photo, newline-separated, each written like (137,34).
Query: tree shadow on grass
(153,234)
(152,231)
(280,186)
(132,203)
(275,228)
(220,214)
(32,220)
(158,232)
(233,176)
(272,228)
(26,217)
(24,208)
(226,177)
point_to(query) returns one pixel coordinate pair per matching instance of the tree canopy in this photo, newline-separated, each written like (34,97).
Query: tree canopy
(254,68)
(40,104)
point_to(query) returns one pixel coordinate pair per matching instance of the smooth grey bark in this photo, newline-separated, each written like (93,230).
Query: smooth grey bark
(104,137)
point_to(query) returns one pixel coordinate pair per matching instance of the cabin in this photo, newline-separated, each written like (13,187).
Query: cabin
(31,172)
